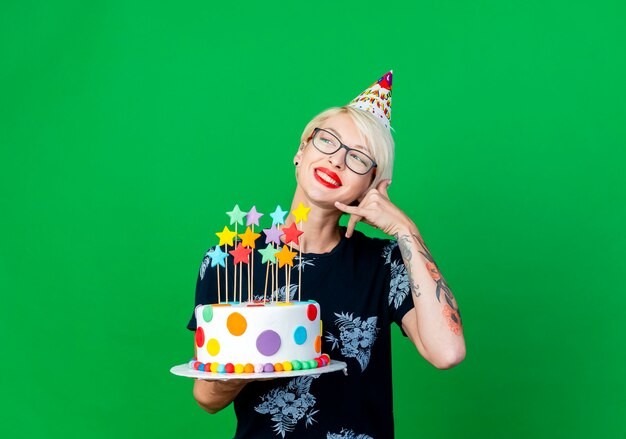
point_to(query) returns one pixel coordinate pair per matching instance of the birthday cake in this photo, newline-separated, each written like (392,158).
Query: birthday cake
(274,334)
(258,337)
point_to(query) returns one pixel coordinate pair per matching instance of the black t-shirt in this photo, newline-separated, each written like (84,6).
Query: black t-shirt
(362,287)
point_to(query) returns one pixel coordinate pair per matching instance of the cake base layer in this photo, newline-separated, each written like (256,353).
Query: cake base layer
(258,334)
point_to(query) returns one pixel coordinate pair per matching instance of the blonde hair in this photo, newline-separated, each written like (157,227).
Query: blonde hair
(378,139)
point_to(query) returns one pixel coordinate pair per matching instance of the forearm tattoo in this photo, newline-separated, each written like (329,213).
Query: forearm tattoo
(450,311)
(404,242)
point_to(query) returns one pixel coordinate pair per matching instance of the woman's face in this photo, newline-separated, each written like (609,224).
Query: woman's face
(325,178)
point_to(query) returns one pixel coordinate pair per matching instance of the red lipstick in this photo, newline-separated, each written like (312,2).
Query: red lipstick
(327,178)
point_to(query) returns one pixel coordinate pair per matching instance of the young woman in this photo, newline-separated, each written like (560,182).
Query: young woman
(343,166)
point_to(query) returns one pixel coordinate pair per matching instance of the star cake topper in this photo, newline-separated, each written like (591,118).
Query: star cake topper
(240,254)
(269,254)
(236,215)
(253,216)
(301,213)
(285,256)
(292,234)
(273,234)
(248,238)
(217,256)
(226,236)
(278,216)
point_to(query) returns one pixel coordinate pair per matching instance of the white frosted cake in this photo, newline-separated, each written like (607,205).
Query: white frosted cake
(258,337)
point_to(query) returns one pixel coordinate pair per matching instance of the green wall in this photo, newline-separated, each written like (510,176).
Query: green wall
(127,129)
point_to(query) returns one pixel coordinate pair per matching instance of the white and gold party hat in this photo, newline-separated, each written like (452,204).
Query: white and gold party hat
(376,99)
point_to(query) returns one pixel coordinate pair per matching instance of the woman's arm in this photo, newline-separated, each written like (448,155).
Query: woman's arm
(213,396)
(434,325)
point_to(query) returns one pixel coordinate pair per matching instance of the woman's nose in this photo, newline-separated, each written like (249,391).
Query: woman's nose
(338,159)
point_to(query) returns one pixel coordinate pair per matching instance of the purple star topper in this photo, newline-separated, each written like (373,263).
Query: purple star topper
(253,216)
(273,235)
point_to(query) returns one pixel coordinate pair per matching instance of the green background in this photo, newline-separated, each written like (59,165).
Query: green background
(127,129)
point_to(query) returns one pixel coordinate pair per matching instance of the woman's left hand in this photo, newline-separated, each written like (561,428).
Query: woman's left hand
(377,210)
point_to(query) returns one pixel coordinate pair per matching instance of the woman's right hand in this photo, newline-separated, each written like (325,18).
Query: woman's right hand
(213,396)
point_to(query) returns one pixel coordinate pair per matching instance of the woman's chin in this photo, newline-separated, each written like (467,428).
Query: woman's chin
(322,202)
(325,198)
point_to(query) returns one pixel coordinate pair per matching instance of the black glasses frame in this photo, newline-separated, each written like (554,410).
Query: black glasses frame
(346,147)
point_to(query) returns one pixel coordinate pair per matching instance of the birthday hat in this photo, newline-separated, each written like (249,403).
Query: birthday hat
(376,99)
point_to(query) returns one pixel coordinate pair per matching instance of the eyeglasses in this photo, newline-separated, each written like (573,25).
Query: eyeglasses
(327,143)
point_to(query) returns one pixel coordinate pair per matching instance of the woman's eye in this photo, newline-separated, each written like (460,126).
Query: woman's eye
(358,158)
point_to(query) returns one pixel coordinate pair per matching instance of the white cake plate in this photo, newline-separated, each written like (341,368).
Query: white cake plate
(183,370)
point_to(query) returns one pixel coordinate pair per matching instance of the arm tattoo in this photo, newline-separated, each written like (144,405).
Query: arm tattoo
(451,310)
(404,242)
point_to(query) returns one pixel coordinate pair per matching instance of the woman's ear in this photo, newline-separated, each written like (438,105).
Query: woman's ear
(297,159)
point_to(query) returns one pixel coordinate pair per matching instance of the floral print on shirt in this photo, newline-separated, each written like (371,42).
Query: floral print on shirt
(280,294)
(399,286)
(301,262)
(205,263)
(356,337)
(388,250)
(289,404)
(347,434)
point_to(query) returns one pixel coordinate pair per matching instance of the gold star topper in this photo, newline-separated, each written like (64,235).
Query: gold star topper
(226,236)
(301,213)
(248,238)
(285,256)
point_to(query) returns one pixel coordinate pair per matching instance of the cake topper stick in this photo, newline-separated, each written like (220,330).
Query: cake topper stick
(234,282)
(272,237)
(273,285)
(252,218)
(248,240)
(274,297)
(288,292)
(292,234)
(268,257)
(275,289)
(267,272)
(288,280)
(278,218)
(234,298)
(217,258)
(288,277)
(240,254)
(275,278)
(226,237)
(250,277)
(235,271)
(285,257)
(277,283)
(301,213)
(236,217)
(219,294)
